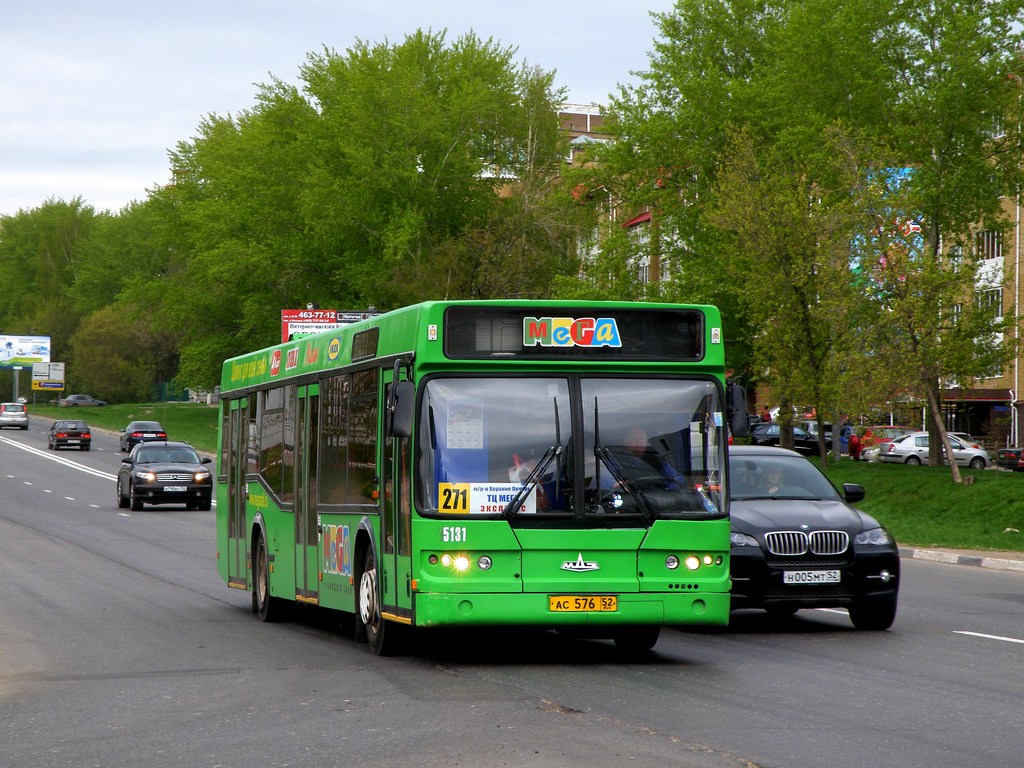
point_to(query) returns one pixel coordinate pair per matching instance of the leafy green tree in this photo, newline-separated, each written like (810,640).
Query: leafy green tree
(112,359)
(42,252)
(742,95)
(397,172)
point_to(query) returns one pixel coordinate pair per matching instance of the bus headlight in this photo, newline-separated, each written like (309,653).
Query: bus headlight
(461,563)
(484,562)
(671,562)
(693,562)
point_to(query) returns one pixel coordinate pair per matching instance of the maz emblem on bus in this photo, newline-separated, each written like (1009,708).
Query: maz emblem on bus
(580,565)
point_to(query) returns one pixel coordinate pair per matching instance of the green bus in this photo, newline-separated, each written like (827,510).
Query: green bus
(549,464)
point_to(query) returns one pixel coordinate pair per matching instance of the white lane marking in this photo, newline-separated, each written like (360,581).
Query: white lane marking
(58,459)
(989,637)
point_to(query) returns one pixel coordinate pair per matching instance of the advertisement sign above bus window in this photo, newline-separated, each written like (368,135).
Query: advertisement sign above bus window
(675,335)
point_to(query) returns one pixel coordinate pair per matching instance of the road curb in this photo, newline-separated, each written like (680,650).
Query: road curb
(956,558)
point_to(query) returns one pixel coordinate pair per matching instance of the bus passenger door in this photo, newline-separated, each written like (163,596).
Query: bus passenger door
(307,585)
(396,522)
(237,531)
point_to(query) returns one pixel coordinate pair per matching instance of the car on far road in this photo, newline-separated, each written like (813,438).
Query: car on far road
(770,433)
(796,542)
(140,432)
(164,473)
(76,401)
(69,433)
(913,449)
(13,415)
(1010,458)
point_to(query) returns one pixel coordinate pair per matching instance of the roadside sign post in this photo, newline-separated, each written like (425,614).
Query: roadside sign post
(47,376)
(17,368)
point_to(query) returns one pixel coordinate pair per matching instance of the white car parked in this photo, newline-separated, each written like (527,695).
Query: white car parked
(913,449)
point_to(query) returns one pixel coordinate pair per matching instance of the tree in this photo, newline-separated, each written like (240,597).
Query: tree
(740,96)
(397,172)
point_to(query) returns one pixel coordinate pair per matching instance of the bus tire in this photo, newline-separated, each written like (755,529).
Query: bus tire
(267,607)
(368,617)
(637,639)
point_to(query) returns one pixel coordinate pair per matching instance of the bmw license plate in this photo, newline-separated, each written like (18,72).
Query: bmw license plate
(175,488)
(582,603)
(810,577)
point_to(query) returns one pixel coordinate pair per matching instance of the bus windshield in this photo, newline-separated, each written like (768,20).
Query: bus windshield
(579,446)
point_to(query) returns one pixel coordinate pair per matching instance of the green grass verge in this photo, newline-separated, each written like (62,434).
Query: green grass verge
(921,506)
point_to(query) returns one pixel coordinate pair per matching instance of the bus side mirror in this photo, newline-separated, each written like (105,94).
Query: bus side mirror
(400,408)
(736,404)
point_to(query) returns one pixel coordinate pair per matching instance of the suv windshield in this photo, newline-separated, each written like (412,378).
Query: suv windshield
(585,447)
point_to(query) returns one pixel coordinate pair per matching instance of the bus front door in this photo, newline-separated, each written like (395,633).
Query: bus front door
(396,524)
(307,585)
(236,437)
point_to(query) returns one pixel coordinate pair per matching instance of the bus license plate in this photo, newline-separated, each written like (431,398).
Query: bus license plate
(582,603)
(810,577)
(175,488)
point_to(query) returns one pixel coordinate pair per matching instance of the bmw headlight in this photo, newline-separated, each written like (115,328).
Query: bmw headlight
(876,537)
(738,539)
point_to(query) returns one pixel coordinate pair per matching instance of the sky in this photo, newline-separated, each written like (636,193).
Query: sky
(94,95)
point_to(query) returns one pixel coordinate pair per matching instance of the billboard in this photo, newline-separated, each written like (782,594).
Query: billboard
(24,350)
(305,322)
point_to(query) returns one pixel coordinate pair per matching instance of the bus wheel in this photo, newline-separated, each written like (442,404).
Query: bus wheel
(267,606)
(370,620)
(637,639)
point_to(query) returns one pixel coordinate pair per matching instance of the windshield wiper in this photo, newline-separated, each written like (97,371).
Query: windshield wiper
(531,480)
(606,457)
(603,456)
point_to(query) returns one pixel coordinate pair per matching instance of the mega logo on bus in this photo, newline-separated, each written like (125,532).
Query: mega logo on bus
(571,332)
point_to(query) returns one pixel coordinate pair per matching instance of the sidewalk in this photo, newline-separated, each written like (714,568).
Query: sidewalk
(1006,561)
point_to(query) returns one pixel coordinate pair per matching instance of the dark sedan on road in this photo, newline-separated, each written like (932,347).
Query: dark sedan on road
(141,432)
(797,542)
(164,473)
(69,433)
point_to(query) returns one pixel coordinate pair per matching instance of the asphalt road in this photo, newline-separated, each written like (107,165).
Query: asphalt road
(120,646)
